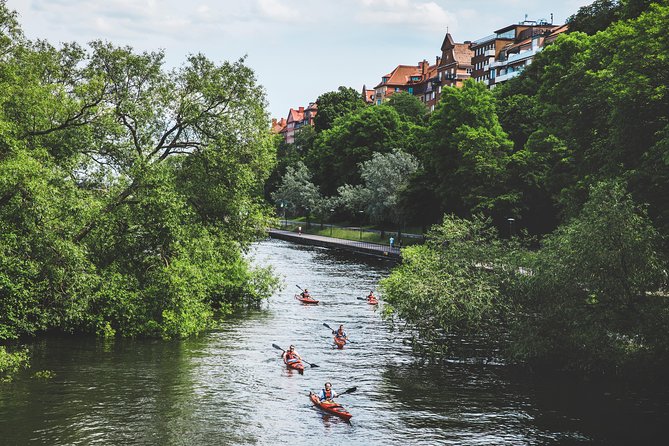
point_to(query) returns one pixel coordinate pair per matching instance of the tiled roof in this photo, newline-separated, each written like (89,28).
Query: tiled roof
(463,53)
(278,126)
(402,74)
(295,115)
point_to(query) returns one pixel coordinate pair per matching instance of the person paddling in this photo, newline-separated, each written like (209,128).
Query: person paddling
(305,294)
(290,356)
(327,394)
(371,297)
(340,335)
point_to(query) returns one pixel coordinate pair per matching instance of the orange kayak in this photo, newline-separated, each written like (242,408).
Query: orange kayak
(295,366)
(373,301)
(333,408)
(339,342)
(305,301)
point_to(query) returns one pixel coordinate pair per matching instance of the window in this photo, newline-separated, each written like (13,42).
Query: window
(397,89)
(410,90)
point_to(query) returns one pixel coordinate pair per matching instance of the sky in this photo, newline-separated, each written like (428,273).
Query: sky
(298,49)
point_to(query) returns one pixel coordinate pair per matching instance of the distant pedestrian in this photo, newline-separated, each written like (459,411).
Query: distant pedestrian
(392,242)
(299,230)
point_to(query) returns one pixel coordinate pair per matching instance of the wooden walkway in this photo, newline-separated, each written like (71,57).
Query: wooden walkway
(373,249)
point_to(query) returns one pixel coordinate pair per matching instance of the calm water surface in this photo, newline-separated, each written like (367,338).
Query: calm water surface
(229,387)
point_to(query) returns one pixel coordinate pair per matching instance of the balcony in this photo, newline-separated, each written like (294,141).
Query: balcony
(516,57)
(507,76)
(489,53)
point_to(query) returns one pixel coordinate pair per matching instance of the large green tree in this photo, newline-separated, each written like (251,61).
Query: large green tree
(591,301)
(128,193)
(337,152)
(335,104)
(466,153)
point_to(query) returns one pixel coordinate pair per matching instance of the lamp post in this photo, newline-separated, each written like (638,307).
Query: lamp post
(282,205)
(360,212)
(331,213)
(510,220)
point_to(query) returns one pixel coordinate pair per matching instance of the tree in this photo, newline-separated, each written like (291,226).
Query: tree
(335,104)
(466,152)
(384,178)
(409,107)
(296,191)
(355,137)
(128,194)
(590,302)
(451,291)
(594,17)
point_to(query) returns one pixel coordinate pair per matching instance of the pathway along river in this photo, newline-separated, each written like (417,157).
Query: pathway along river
(229,387)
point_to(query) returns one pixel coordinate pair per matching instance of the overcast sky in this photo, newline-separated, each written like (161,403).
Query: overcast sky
(298,49)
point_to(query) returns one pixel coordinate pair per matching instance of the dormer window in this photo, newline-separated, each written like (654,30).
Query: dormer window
(385,79)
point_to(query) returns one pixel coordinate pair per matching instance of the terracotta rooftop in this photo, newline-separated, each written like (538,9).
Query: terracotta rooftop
(408,74)
(278,126)
(463,53)
(296,115)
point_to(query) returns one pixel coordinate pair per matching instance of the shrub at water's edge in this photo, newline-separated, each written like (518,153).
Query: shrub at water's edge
(590,299)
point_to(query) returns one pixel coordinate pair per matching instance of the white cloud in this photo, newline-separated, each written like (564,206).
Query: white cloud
(276,10)
(405,12)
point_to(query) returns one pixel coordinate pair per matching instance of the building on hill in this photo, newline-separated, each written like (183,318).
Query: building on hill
(412,79)
(455,64)
(278,126)
(504,54)
(298,118)
(368,95)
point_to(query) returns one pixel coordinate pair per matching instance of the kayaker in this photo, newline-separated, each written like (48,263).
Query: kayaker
(290,356)
(305,294)
(340,333)
(371,296)
(327,394)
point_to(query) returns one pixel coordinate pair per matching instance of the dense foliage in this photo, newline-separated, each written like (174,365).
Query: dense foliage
(128,193)
(587,300)
(453,288)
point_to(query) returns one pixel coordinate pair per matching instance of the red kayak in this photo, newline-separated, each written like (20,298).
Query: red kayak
(339,342)
(373,301)
(306,300)
(333,408)
(295,366)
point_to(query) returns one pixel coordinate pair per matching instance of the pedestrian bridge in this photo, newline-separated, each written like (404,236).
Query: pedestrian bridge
(366,248)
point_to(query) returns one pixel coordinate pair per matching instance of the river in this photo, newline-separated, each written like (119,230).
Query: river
(229,387)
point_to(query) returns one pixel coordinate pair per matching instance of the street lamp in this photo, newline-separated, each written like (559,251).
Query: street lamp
(331,213)
(360,212)
(282,205)
(510,220)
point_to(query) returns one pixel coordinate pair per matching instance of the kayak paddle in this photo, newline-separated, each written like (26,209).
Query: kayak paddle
(349,390)
(279,348)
